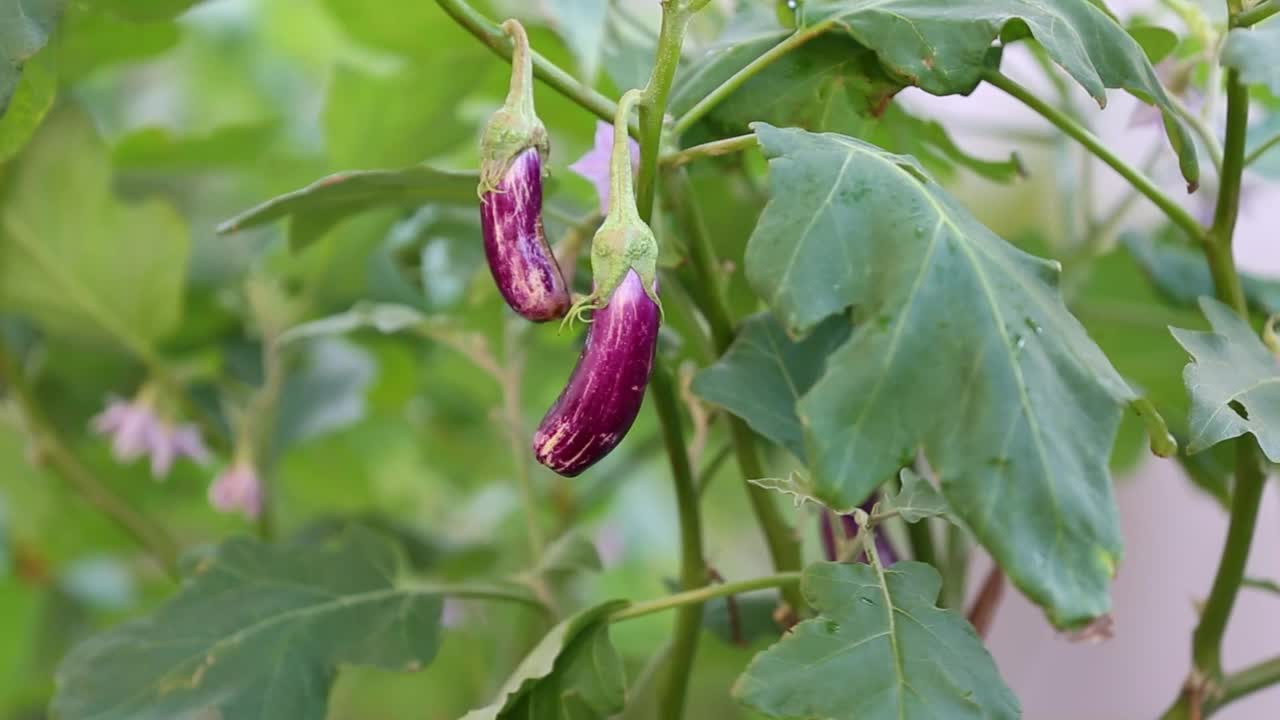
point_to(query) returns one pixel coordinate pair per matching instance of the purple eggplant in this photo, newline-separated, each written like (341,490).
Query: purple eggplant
(606,389)
(523,266)
(513,149)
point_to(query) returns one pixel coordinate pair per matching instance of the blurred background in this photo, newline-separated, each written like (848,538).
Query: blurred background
(197,115)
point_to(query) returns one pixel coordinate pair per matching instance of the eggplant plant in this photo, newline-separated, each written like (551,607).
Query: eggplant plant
(831,363)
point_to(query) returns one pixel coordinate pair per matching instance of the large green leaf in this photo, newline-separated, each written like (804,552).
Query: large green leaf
(31,101)
(25,26)
(1181,275)
(764,374)
(147,10)
(1233,381)
(316,208)
(895,653)
(1255,52)
(583,25)
(258,631)
(574,673)
(106,271)
(965,350)
(943,49)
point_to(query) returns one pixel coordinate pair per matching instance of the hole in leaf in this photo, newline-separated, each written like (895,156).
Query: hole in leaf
(1239,408)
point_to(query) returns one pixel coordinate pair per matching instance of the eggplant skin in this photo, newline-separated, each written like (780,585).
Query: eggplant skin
(522,264)
(605,391)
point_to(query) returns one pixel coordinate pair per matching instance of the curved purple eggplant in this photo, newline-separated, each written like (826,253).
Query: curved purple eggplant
(522,264)
(604,394)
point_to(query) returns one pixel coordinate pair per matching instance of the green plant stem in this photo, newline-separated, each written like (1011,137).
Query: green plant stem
(784,550)
(1255,15)
(955,572)
(653,104)
(923,548)
(1262,149)
(488,32)
(728,87)
(1065,123)
(50,448)
(716,148)
(702,595)
(1247,681)
(693,568)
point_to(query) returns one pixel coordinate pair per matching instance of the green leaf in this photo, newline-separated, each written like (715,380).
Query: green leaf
(742,619)
(569,555)
(1156,42)
(829,84)
(895,653)
(1265,132)
(258,631)
(799,488)
(965,350)
(416,30)
(764,373)
(944,52)
(1255,52)
(92,37)
(147,10)
(1233,382)
(25,26)
(158,148)
(31,101)
(1181,275)
(316,208)
(916,500)
(107,271)
(574,673)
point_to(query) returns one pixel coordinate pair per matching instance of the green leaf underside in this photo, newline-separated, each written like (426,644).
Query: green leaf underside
(258,632)
(916,500)
(764,373)
(319,206)
(945,52)
(1180,274)
(964,349)
(829,84)
(897,655)
(574,673)
(25,26)
(108,271)
(1255,52)
(1233,381)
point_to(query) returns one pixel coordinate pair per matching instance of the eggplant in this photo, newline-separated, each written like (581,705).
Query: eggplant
(513,150)
(520,260)
(605,391)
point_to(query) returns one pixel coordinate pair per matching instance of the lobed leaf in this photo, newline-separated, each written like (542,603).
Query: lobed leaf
(258,631)
(915,500)
(964,349)
(897,654)
(1233,381)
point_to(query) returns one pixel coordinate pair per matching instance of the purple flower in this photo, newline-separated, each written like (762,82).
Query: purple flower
(594,166)
(237,489)
(136,430)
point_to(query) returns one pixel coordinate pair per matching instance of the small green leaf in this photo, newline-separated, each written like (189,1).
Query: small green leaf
(25,26)
(316,208)
(1156,42)
(1233,381)
(798,487)
(574,673)
(963,348)
(258,631)
(106,272)
(31,101)
(764,373)
(1255,52)
(569,555)
(385,318)
(158,148)
(896,654)
(916,500)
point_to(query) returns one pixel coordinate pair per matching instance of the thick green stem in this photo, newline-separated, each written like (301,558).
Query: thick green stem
(487,32)
(693,568)
(653,109)
(700,596)
(1065,123)
(784,550)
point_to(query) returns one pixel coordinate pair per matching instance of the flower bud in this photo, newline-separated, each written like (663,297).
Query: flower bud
(513,149)
(605,391)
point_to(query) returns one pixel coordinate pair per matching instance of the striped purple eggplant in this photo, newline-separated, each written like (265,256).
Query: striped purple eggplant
(513,149)
(606,389)
(522,264)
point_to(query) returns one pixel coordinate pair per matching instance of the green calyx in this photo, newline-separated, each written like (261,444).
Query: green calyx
(515,127)
(624,242)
